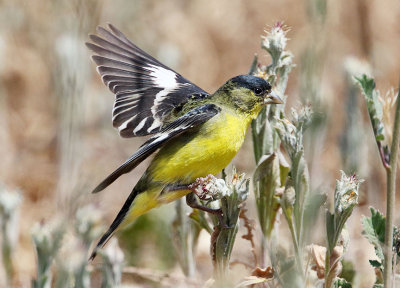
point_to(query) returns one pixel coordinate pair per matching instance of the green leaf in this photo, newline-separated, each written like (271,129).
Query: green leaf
(345,198)
(367,84)
(378,223)
(376,264)
(341,283)
(284,168)
(374,106)
(264,167)
(266,181)
(301,184)
(374,231)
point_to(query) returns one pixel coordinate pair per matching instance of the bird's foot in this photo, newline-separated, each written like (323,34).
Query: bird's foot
(192,201)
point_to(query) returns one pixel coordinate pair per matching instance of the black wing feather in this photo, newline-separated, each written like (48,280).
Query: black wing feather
(146,90)
(183,124)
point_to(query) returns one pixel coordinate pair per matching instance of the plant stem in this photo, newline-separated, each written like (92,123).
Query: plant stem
(390,201)
(223,249)
(7,254)
(328,283)
(264,250)
(297,251)
(224,235)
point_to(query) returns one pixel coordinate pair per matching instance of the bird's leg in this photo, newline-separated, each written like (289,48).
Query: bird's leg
(176,187)
(192,201)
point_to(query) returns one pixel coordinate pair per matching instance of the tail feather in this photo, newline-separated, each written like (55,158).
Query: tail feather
(117,222)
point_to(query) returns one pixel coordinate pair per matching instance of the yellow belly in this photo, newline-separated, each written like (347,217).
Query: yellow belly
(189,157)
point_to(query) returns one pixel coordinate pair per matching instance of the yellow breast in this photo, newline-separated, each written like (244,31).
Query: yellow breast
(207,152)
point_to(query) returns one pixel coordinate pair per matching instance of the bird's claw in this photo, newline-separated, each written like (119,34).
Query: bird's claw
(191,201)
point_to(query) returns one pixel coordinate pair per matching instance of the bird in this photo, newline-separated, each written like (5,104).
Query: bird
(193,133)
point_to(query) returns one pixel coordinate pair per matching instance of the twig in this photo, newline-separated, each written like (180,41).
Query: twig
(249,225)
(390,198)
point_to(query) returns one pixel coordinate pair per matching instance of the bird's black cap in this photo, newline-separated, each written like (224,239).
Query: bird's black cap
(252,82)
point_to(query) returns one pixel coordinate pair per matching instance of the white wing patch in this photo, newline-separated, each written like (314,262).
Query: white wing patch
(156,123)
(139,126)
(125,124)
(154,108)
(146,91)
(163,78)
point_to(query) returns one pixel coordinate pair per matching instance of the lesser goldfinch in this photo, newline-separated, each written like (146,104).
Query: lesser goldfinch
(195,133)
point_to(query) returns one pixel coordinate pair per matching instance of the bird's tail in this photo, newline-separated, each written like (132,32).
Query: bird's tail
(137,204)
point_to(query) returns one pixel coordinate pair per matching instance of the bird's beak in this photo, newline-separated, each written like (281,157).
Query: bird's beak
(273,98)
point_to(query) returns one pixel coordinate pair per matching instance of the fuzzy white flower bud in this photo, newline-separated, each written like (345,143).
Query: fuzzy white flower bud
(276,39)
(346,192)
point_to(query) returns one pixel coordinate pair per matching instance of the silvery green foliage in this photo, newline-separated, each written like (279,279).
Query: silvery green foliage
(374,231)
(9,220)
(238,187)
(346,193)
(341,283)
(47,239)
(374,106)
(72,260)
(225,196)
(291,132)
(88,224)
(375,111)
(269,176)
(275,44)
(345,199)
(271,168)
(224,235)
(265,140)
(113,263)
(211,191)
(302,119)
(291,135)
(88,228)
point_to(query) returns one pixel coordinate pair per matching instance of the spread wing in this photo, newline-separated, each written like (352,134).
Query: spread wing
(145,90)
(185,123)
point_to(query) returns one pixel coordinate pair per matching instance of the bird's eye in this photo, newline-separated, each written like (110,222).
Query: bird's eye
(258,91)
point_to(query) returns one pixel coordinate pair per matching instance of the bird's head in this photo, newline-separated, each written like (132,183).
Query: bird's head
(248,94)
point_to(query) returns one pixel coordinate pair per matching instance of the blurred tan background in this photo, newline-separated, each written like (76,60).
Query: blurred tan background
(56,137)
